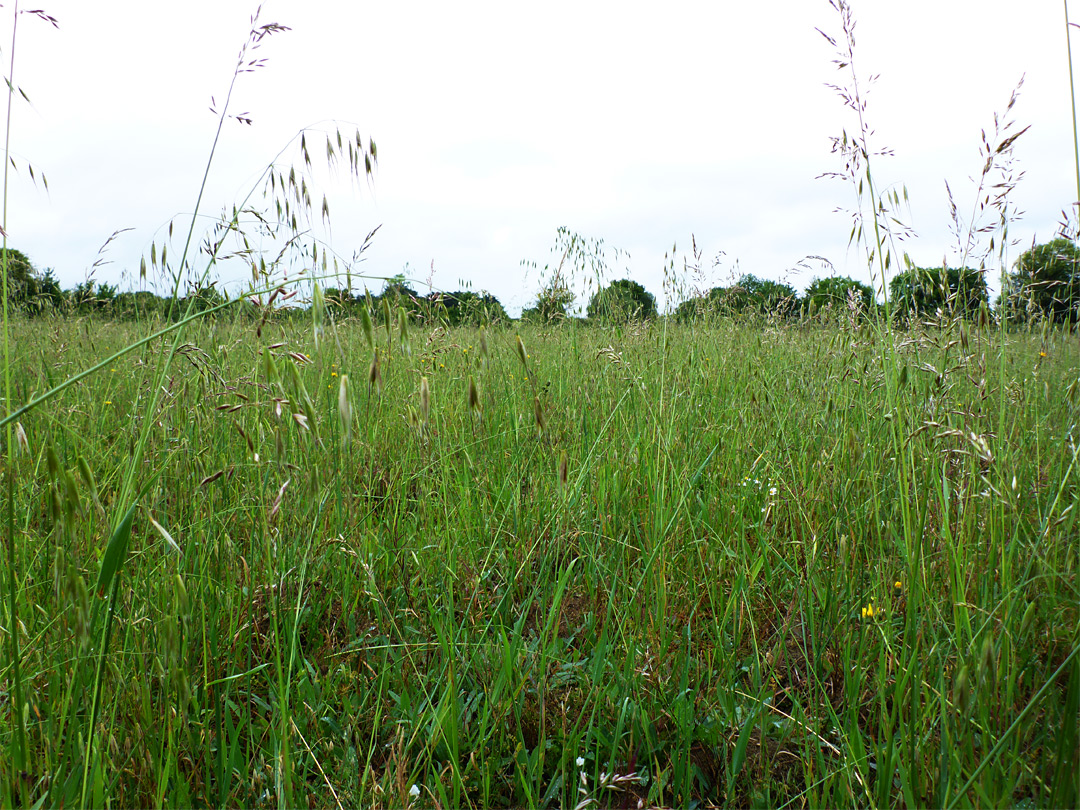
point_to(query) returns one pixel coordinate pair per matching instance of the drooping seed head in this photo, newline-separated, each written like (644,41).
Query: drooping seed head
(20,438)
(403,330)
(563,470)
(345,407)
(318,312)
(374,374)
(366,326)
(541,422)
(270,368)
(88,477)
(52,461)
(522,355)
(474,400)
(425,400)
(387,322)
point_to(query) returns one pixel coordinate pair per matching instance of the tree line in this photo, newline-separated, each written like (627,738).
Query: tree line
(1044,285)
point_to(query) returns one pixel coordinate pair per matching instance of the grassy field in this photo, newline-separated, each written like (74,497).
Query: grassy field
(746,565)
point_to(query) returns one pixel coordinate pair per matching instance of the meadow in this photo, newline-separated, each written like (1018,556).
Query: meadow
(802,563)
(358,557)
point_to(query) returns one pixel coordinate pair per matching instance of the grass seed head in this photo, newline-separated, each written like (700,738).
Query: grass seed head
(20,438)
(541,422)
(366,326)
(374,374)
(474,400)
(483,345)
(318,312)
(345,407)
(183,603)
(522,354)
(403,330)
(425,401)
(270,368)
(72,502)
(563,470)
(52,461)
(387,322)
(1027,621)
(962,690)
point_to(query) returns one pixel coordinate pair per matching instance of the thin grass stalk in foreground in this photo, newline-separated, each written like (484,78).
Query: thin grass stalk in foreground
(19,758)
(1072,98)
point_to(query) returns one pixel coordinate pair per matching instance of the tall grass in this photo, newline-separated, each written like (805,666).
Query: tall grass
(775,564)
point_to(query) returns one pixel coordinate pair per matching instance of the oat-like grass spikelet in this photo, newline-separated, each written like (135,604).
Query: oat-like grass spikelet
(374,374)
(20,439)
(425,402)
(387,323)
(522,354)
(345,407)
(367,327)
(483,347)
(541,422)
(403,330)
(562,471)
(474,400)
(318,312)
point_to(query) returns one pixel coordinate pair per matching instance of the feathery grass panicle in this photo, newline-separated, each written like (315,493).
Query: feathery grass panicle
(20,438)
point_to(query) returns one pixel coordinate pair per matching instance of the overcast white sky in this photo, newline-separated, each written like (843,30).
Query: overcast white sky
(498,122)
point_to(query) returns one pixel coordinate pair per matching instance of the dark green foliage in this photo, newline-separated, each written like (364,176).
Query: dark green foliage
(398,294)
(1046,282)
(925,290)
(837,293)
(753,294)
(467,308)
(749,295)
(701,306)
(552,303)
(29,290)
(622,301)
(139,305)
(90,296)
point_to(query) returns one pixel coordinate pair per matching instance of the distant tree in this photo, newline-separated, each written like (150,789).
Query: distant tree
(141,304)
(338,300)
(622,301)
(837,292)
(50,294)
(702,306)
(925,290)
(552,302)
(467,307)
(397,293)
(199,299)
(760,295)
(91,297)
(22,278)
(1046,282)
